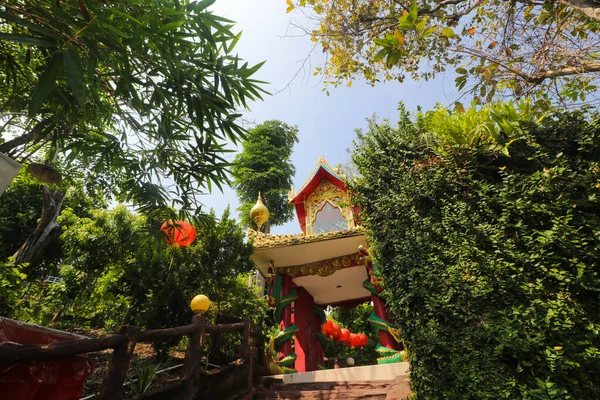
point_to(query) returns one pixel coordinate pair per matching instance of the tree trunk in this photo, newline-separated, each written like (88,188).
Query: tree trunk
(45,233)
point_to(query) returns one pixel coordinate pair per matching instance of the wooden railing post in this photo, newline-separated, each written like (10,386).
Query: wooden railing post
(246,352)
(193,358)
(245,347)
(112,387)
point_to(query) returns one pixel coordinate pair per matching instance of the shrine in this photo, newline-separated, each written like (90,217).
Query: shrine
(327,264)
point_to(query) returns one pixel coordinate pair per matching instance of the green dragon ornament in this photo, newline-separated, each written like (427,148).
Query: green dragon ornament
(388,356)
(275,366)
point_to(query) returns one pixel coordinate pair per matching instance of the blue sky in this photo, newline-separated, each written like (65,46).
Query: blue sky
(326,123)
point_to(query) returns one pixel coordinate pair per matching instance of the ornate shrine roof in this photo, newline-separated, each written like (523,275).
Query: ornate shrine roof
(321,171)
(263,240)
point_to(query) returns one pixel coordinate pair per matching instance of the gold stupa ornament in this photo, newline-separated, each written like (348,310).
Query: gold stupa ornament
(259,213)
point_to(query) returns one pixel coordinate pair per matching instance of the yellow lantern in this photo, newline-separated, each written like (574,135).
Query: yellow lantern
(259,213)
(200,304)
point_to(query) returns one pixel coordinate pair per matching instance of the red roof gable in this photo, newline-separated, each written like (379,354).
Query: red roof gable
(321,171)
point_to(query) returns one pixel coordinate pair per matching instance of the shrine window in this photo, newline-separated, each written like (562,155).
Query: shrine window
(329,219)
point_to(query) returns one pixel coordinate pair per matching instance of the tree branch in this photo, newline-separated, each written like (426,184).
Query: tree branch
(445,3)
(13,143)
(565,71)
(37,132)
(539,76)
(588,7)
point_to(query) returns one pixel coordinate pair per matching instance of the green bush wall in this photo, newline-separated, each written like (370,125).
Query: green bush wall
(491,257)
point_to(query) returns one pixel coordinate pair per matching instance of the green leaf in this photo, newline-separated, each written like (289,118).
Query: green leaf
(414,11)
(29,40)
(170,26)
(117,31)
(75,74)
(125,15)
(461,81)
(250,71)
(393,58)
(380,55)
(448,32)
(461,71)
(429,31)
(383,43)
(34,27)
(204,4)
(45,84)
(234,42)
(404,23)
(421,25)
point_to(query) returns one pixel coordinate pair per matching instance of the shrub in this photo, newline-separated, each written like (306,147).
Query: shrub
(490,253)
(10,287)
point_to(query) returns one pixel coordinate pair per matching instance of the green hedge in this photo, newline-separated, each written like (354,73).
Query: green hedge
(491,261)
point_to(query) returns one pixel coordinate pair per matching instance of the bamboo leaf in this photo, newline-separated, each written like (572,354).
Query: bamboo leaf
(170,26)
(125,15)
(34,27)
(29,40)
(250,71)
(204,4)
(45,84)
(234,42)
(75,75)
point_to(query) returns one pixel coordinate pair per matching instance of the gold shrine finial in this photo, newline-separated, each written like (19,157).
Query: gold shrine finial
(259,213)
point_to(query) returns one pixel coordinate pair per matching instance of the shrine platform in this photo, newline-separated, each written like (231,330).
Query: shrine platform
(383,372)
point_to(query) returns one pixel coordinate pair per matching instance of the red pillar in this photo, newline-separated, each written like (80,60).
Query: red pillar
(385,338)
(307,344)
(320,349)
(286,316)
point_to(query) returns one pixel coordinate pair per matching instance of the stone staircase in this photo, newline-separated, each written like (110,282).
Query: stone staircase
(272,388)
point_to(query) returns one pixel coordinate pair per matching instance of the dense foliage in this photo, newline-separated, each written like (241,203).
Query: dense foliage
(144,94)
(21,207)
(264,166)
(114,271)
(545,49)
(490,252)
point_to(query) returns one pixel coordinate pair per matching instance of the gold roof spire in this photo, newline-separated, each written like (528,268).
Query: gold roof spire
(259,213)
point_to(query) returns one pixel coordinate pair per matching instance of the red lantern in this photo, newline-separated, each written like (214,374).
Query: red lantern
(344,335)
(364,340)
(178,234)
(354,340)
(336,331)
(327,327)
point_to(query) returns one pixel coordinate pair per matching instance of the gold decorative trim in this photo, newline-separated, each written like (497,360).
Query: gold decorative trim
(263,240)
(322,268)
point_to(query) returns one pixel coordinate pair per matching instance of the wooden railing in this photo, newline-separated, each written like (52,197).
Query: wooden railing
(123,345)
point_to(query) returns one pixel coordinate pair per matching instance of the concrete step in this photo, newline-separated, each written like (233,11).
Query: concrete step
(338,394)
(275,386)
(398,389)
